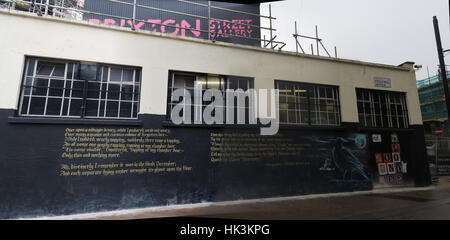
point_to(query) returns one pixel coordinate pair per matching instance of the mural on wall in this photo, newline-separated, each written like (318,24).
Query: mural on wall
(347,158)
(318,161)
(69,169)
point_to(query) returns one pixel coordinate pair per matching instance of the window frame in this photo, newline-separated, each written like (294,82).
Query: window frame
(385,101)
(226,85)
(67,91)
(313,88)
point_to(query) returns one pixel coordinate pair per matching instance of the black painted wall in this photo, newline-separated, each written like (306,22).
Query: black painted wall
(32,184)
(418,153)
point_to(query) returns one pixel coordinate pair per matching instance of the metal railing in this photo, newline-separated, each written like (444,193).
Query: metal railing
(74,9)
(438,151)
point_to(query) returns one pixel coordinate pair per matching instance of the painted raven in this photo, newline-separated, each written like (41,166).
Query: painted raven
(346,161)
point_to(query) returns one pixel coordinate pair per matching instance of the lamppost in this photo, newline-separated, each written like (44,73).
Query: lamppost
(442,67)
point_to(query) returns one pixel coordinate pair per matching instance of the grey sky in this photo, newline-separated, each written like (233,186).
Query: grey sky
(381,31)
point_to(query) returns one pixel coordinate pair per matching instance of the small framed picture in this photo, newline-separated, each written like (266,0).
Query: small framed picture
(395,147)
(394,138)
(390,168)
(382,169)
(381,179)
(387,157)
(378,158)
(396,157)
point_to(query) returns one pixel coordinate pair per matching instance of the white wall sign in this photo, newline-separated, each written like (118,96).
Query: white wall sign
(382,82)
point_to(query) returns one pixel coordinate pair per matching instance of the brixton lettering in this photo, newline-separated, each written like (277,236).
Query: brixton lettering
(156,25)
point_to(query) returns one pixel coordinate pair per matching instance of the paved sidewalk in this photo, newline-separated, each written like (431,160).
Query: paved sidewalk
(393,203)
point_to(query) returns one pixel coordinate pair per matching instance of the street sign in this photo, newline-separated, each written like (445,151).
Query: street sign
(382,82)
(438,131)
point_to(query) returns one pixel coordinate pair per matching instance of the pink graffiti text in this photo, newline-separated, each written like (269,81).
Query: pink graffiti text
(222,29)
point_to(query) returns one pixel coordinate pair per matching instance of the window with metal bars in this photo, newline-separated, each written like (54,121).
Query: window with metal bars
(187,81)
(308,104)
(383,109)
(71,89)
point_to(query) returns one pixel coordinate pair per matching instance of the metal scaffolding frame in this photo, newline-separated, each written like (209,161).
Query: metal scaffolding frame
(318,40)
